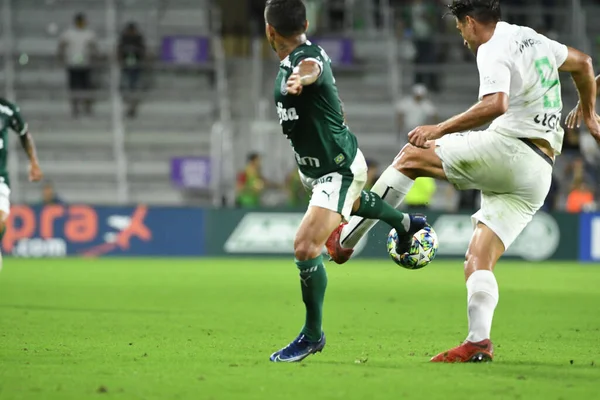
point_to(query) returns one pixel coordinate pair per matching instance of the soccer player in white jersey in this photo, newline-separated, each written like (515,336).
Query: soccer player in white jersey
(510,162)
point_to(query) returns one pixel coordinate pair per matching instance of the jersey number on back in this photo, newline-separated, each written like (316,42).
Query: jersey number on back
(549,81)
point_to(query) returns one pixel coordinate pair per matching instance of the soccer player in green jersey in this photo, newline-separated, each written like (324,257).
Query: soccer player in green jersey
(330,164)
(10,118)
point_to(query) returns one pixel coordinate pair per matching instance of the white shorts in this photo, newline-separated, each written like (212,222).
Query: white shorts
(4,199)
(513,179)
(338,190)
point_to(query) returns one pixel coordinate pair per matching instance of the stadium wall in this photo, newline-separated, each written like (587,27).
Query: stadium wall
(96,231)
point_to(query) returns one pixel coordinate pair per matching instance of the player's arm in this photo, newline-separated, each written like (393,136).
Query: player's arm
(494,90)
(485,111)
(306,73)
(20,127)
(35,172)
(488,109)
(581,68)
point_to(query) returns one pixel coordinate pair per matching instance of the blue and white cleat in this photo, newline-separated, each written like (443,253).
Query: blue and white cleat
(298,350)
(417,222)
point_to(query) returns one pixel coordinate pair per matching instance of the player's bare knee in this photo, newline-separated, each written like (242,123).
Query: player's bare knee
(408,162)
(306,250)
(475,262)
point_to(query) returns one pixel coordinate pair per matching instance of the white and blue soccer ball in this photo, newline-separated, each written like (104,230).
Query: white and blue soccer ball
(422,251)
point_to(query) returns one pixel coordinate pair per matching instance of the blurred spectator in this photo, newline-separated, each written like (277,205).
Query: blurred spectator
(337,15)
(297,195)
(515,11)
(313,9)
(576,170)
(414,111)
(552,199)
(571,141)
(49,195)
(548,6)
(422,17)
(132,53)
(581,198)
(256,13)
(77,48)
(590,151)
(372,174)
(421,193)
(250,183)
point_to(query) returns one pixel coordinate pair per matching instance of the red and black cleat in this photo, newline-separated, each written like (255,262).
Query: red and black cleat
(467,352)
(338,254)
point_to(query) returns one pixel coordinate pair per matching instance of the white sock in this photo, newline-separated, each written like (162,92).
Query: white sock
(482,299)
(392,187)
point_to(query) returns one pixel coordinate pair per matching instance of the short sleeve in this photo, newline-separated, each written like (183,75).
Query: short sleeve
(310,54)
(494,70)
(560,51)
(17,123)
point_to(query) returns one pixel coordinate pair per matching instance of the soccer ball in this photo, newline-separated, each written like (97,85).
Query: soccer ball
(422,250)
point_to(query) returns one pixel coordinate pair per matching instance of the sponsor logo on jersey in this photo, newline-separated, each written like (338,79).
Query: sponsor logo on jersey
(286,114)
(307,161)
(551,121)
(527,43)
(339,159)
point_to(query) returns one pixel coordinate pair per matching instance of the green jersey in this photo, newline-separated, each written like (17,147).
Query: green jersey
(314,120)
(10,118)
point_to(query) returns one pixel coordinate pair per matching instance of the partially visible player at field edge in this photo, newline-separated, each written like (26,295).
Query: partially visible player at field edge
(10,118)
(329,162)
(510,163)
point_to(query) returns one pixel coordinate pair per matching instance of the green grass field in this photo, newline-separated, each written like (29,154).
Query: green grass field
(204,329)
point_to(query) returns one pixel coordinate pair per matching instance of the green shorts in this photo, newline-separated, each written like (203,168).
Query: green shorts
(337,191)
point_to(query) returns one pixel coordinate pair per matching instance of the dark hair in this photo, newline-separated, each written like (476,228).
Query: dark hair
(288,17)
(79,17)
(253,157)
(484,11)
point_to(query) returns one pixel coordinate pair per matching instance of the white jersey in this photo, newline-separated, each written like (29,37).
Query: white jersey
(524,64)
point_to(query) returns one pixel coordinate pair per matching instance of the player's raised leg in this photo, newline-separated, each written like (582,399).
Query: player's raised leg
(391,187)
(312,234)
(485,250)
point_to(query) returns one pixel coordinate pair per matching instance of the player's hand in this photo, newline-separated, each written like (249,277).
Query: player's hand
(422,135)
(574,118)
(35,173)
(294,84)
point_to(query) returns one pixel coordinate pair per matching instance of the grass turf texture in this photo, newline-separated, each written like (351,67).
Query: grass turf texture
(204,329)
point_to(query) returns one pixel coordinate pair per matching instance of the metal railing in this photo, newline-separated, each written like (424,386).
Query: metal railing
(222,153)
